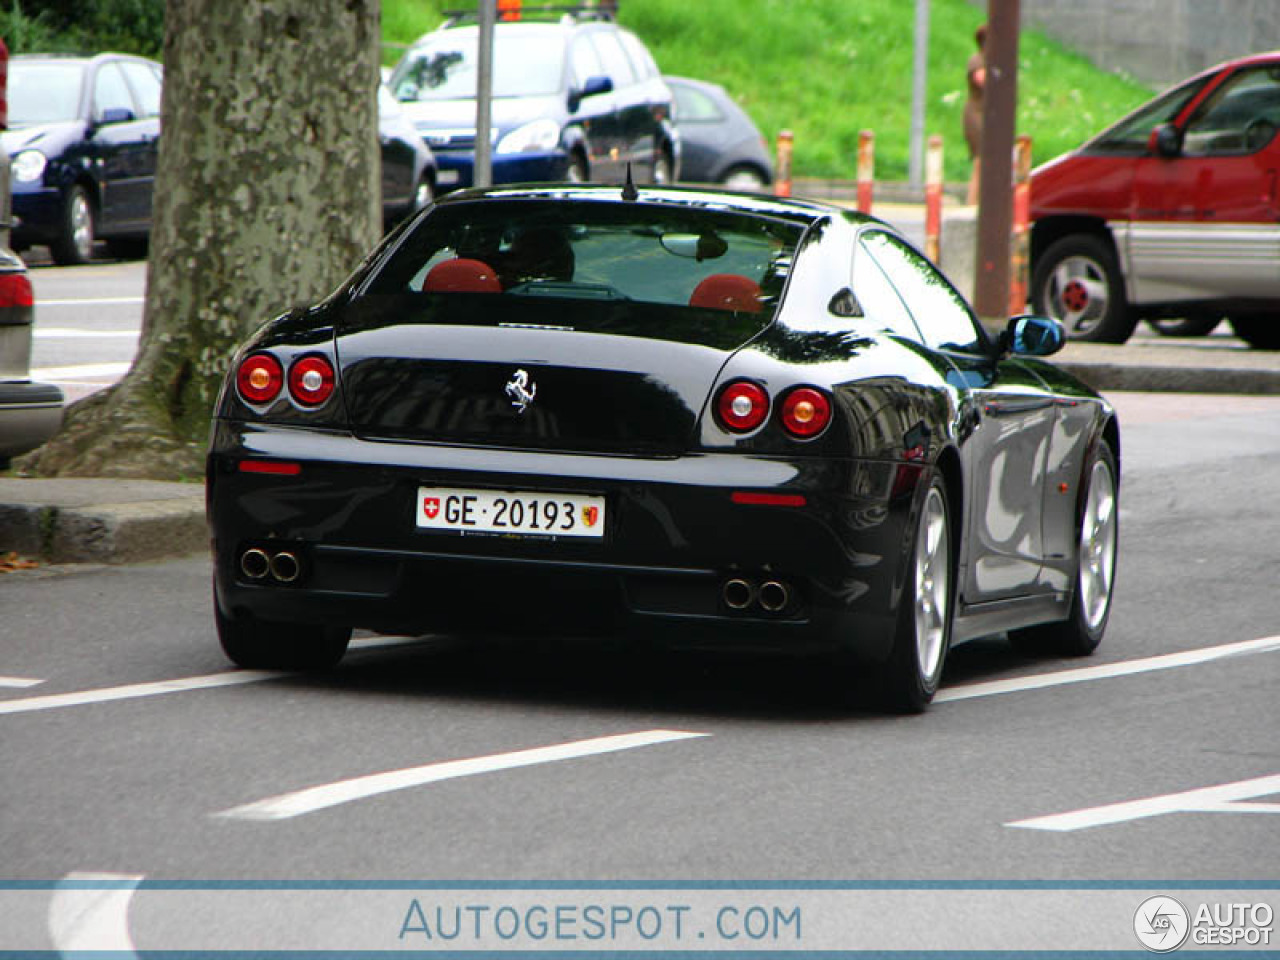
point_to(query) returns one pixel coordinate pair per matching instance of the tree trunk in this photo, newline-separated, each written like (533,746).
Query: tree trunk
(267,196)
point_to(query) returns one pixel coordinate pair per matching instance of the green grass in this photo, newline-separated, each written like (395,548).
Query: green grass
(827,69)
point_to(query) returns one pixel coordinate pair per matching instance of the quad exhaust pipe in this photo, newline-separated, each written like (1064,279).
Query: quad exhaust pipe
(740,594)
(282,566)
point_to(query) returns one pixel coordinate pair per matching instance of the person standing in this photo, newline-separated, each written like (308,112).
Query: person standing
(976,80)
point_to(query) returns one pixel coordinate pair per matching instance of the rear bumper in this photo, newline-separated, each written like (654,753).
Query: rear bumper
(675,539)
(37,215)
(30,413)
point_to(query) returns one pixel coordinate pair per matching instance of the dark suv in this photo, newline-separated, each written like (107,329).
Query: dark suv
(575,97)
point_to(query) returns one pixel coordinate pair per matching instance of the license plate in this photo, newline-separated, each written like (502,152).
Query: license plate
(459,510)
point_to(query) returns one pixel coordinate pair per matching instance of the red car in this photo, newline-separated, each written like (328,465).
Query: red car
(1174,212)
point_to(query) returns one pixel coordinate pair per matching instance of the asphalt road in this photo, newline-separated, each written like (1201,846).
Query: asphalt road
(111,768)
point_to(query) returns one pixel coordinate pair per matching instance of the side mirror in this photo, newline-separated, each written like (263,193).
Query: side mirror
(1165,141)
(592,88)
(116,115)
(1031,336)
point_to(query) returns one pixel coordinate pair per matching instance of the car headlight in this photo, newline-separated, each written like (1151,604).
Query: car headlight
(28,166)
(540,135)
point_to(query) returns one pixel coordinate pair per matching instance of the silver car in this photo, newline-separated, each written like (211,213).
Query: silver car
(30,413)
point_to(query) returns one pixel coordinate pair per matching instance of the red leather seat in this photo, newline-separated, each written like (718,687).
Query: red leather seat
(461,275)
(727,291)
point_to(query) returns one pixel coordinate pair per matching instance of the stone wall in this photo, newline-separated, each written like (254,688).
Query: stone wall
(1157,41)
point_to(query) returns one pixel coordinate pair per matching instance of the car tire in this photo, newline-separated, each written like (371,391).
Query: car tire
(744,178)
(578,171)
(664,173)
(910,677)
(1078,281)
(423,195)
(1097,536)
(263,645)
(1259,332)
(1186,326)
(74,242)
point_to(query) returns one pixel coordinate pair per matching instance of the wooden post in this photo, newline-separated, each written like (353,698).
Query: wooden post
(933,199)
(1020,257)
(782,181)
(866,169)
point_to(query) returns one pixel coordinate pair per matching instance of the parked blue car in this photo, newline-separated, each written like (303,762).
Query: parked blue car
(83,142)
(575,97)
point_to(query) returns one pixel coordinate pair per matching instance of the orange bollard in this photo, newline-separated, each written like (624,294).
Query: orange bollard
(782,177)
(866,169)
(1020,246)
(933,198)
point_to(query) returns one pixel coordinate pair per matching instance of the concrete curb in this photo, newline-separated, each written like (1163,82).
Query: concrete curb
(76,520)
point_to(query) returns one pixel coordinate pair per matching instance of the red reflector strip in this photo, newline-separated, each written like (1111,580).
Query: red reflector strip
(769,499)
(277,468)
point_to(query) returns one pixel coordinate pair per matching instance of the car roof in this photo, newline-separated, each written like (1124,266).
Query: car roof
(807,211)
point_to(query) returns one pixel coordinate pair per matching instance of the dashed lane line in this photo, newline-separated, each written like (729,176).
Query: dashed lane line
(1106,671)
(295,804)
(19,683)
(133,691)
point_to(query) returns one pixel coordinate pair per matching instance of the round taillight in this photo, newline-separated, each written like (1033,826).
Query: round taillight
(311,381)
(806,412)
(259,378)
(742,406)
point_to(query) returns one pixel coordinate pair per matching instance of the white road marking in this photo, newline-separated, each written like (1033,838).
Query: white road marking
(87,303)
(81,370)
(91,913)
(321,797)
(1105,671)
(1221,799)
(135,690)
(76,333)
(19,682)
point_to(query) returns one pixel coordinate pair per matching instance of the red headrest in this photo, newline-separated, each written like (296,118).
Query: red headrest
(727,291)
(461,275)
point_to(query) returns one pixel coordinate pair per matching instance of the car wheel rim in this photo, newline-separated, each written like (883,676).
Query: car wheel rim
(1077,295)
(423,195)
(661,170)
(1098,546)
(744,180)
(81,225)
(933,585)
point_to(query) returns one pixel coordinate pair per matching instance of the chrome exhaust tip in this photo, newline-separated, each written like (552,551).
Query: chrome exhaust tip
(254,564)
(774,596)
(738,594)
(285,567)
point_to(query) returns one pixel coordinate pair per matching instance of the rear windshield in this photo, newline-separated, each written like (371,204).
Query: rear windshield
(595,252)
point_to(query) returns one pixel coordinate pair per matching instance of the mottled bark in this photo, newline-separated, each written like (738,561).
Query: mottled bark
(267,196)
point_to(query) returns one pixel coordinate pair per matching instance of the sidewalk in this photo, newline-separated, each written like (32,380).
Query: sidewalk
(130,521)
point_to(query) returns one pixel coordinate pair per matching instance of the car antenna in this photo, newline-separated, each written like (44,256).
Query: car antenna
(629,191)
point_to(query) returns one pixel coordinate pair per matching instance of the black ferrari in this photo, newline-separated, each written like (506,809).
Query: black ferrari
(702,417)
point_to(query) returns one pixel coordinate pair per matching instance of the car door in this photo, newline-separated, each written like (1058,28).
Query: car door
(1006,418)
(121,144)
(596,114)
(145,81)
(1212,224)
(635,140)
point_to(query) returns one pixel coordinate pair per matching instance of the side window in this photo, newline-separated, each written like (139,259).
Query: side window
(1241,116)
(939,311)
(694,106)
(110,92)
(586,62)
(146,87)
(641,60)
(881,305)
(1131,134)
(614,59)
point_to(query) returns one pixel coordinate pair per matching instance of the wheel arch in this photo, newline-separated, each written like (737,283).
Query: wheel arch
(948,467)
(1045,233)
